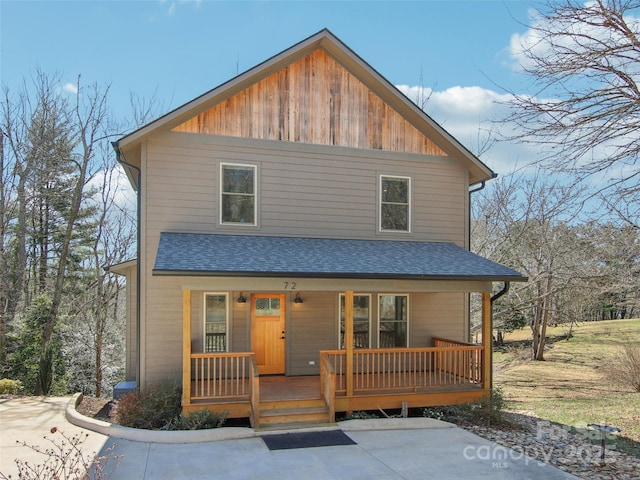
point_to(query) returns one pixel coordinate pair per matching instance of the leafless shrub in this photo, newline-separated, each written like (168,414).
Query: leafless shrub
(64,460)
(625,368)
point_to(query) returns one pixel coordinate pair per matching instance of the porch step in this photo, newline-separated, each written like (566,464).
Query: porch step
(293,413)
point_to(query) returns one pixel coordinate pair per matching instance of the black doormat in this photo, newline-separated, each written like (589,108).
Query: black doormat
(307,439)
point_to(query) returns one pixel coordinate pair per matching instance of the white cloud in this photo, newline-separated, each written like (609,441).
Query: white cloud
(459,102)
(534,42)
(473,116)
(70,88)
(476,117)
(171,6)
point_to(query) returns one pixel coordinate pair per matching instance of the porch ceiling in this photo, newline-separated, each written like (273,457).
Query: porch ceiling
(191,254)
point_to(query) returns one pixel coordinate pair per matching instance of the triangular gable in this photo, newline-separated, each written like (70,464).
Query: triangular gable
(313,100)
(370,82)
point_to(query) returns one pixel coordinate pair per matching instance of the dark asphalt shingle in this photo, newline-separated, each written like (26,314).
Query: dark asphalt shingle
(249,255)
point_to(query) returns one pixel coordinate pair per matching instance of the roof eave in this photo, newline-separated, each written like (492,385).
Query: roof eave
(330,275)
(121,268)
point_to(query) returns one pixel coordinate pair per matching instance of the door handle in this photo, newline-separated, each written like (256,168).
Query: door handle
(283,336)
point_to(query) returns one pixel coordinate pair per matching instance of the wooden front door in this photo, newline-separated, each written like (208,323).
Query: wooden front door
(268,332)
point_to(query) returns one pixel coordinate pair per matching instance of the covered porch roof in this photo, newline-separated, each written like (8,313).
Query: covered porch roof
(197,254)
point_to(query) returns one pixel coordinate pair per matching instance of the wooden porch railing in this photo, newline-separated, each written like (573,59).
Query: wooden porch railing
(221,375)
(467,366)
(235,376)
(328,385)
(254,397)
(409,368)
(445,342)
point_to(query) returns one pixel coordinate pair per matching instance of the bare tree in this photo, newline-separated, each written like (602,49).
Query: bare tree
(616,261)
(99,318)
(526,223)
(584,61)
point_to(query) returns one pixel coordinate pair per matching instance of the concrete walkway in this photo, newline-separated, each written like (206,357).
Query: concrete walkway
(416,448)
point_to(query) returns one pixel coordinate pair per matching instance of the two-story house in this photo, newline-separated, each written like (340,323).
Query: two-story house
(304,244)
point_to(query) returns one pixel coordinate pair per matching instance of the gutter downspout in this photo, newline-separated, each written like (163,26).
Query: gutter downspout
(505,289)
(121,160)
(477,189)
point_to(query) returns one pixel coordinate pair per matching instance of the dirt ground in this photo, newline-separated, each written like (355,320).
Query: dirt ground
(99,408)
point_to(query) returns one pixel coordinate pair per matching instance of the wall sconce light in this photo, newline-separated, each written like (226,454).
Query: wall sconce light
(297,299)
(241,298)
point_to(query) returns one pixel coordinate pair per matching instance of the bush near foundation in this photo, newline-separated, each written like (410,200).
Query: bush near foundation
(489,410)
(199,420)
(154,408)
(159,408)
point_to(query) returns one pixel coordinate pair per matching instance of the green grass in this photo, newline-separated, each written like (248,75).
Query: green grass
(575,385)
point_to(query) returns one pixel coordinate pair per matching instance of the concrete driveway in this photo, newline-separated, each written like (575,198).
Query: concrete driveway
(385,449)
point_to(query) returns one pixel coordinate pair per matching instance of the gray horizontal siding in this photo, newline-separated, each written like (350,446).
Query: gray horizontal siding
(303,191)
(319,191)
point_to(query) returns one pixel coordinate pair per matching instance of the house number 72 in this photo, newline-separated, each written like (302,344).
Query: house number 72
(289,285)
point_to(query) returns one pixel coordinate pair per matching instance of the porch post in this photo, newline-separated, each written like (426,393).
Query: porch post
(348,340)
(487,341)
(186,348)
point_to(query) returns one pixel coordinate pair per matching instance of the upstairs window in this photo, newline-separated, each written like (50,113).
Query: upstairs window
(238,194)
(395,205)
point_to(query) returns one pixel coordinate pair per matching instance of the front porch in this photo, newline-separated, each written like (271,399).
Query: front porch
(446,373)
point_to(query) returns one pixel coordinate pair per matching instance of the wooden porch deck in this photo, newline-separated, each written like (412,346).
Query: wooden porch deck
(446,374)
(298,400)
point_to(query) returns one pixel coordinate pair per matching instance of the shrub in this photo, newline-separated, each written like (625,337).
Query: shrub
(362,415)
(494,404)
(626,366)
(41,372)
(436,413)
(154,408)
(199,420)
(66,459)
(10,387)
(488,409)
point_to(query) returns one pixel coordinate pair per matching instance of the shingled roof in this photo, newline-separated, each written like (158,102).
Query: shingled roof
(240,255)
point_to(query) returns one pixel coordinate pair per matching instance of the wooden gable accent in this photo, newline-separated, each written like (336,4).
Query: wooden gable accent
(312,100)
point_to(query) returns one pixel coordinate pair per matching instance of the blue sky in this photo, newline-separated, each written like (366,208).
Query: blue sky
(458,50)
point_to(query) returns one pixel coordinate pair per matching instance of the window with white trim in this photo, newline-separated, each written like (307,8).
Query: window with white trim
(395,204)
(238,194)
(361,321)
(393,321)
(216,322)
